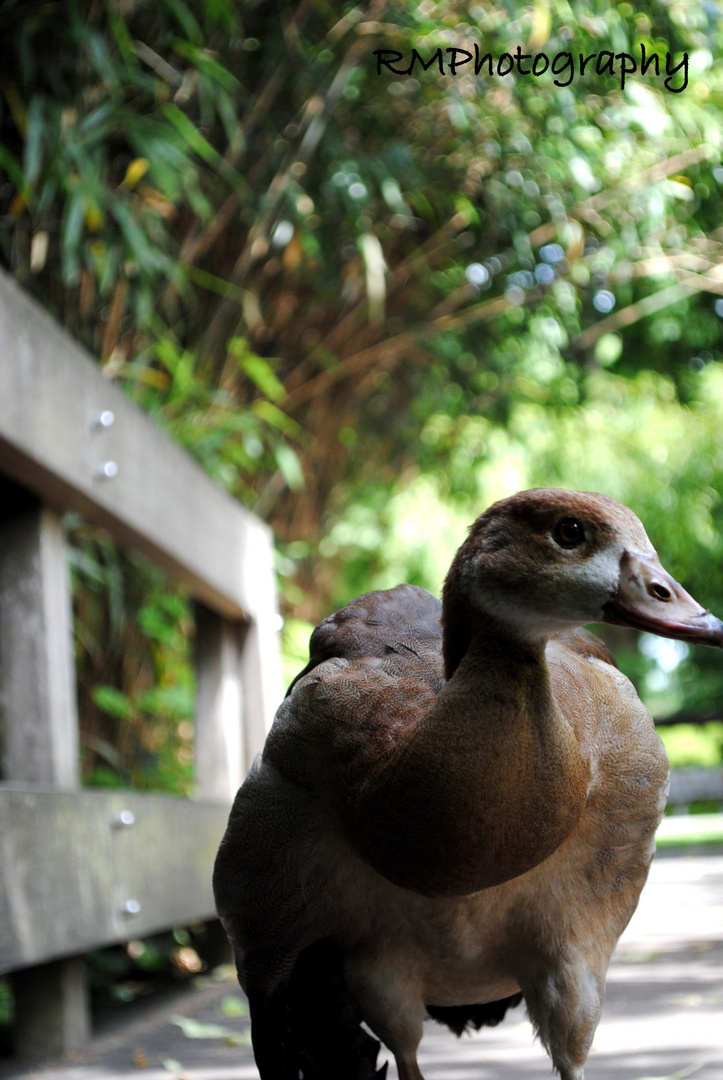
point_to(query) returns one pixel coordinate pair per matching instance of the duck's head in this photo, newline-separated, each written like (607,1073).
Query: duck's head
(547,560)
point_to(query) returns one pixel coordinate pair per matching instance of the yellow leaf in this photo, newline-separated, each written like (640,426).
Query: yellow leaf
(136,170)
(93,217)
(292,253)
(17,205)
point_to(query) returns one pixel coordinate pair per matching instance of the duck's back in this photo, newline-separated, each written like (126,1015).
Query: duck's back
(401,626)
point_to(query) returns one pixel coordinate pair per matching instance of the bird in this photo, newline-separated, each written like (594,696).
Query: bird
(456,804)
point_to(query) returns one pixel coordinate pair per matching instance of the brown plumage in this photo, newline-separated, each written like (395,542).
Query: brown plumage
(456,805)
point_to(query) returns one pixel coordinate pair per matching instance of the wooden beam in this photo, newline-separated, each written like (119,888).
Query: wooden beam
(260,657)
(689,785)
(39,742)
(52,1010)
(39,734)
(126,475)
(86,869)
(220,708)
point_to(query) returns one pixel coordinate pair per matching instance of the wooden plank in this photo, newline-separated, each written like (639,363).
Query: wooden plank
(689,785)
(52,1010)
(39,734)
(219,744)
(260,657)
(159,501)
(86,869)
(39,731)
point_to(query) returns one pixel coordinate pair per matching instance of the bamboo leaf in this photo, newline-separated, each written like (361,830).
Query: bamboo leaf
(207,64)
(257,369)
(72,233)
(114,702)
(33,156)
(186,20)
(14,171)
(273,416)
(199,144)
(289,466)
(123,40)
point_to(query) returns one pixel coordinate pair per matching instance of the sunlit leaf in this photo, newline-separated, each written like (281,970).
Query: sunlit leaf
(198,1029)
(276,418)
(113,702)
(289,466)
(234,1006)
(137,169)
(262,374)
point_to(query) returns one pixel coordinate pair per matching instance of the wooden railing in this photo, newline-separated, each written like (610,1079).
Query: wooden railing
(82,869)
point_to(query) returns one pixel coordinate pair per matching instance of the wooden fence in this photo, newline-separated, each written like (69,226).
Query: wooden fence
(82,869)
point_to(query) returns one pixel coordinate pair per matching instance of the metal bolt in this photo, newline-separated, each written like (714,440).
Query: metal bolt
(107,471)
(131,907)
(104,419)
(124,819)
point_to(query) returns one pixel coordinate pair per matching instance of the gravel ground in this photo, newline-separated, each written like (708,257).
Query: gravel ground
(663,1017)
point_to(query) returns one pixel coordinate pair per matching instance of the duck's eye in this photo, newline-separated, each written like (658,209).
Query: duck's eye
(569,532)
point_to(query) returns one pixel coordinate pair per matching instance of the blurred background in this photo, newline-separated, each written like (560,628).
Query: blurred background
(370,304)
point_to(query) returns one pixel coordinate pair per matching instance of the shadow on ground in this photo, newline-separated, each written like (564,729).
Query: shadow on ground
(662,1017)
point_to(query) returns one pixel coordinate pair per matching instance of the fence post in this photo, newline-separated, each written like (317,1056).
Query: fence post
(39,735)
(220,753)
(261,657)
(238,675)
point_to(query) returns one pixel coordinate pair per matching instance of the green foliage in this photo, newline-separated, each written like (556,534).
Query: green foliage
(7,1014)
(294,647)
(122,973)
(135,678)
(688,745)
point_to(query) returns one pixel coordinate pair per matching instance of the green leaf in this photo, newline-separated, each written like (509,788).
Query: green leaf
(234,1006)
(207,64)
(123,40)
(199,144)
(34,135)
(276,418)
(198,1029)
(214,284)
(72,233)
(289,466)
(259,371)
(14,171)
(171,1065)
(186,20)
(114,702)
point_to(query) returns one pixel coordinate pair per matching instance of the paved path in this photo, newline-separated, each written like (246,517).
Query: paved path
(663,1017)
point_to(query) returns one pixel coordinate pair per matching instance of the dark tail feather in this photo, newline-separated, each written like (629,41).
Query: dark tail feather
(308,1028)
(461,1018)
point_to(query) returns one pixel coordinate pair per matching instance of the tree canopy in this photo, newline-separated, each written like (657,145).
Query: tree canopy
(373,289)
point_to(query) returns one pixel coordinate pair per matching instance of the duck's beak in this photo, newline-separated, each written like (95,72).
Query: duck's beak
(648,598)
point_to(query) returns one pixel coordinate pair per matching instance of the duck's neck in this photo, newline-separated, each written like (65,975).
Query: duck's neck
(486,785)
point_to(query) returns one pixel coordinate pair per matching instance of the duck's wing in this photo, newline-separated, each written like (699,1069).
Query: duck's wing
(374,671)
(375,668)
(404,622)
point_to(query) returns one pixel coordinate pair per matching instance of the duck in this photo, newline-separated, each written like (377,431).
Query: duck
(456,805)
